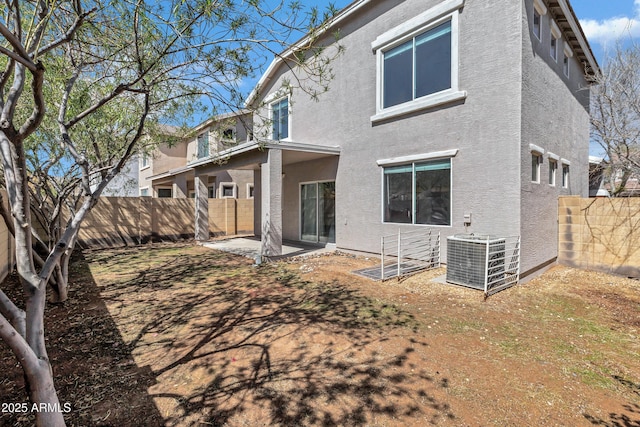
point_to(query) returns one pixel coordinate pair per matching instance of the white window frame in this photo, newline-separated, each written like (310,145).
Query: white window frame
(208,136)
(556,36)
(249,188)
(565,176)
(448,10)
(566,62)
(145,161)
(275,98)
(233,185)
(539,10)
(164,187)
(553,168)
(412,160)
(144,188)
(300,184)
(538,152)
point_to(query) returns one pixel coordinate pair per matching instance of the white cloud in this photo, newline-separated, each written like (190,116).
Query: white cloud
(613,29)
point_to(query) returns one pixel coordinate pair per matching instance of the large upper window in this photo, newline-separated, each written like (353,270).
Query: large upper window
(417,62)
(203,145)
(280,119)
(418,67)
(418,193)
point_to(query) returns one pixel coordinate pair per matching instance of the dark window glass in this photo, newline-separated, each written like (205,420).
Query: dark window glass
(280,118)
(164,193)
(433,193)
(418,67)
(433,61)
(227,191)
(418,193)
(535,167)
(398,74)
(398,194)
(203,145)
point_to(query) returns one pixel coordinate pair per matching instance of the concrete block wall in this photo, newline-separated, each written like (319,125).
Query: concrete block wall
(600,234)
(124,221)
(244,216)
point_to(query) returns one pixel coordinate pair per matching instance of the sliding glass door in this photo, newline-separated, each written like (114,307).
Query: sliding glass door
(317,212)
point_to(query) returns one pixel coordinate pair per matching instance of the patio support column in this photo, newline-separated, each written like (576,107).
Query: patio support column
(202,208)
(180,187)
(271,204)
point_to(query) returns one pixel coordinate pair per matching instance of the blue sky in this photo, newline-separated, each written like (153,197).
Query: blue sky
(605,22)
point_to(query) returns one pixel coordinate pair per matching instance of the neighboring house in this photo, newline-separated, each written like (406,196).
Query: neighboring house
(597,167)
(169,172)
(124,184)
(439,109)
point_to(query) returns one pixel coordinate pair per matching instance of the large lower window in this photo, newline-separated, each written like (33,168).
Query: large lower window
(280,119)
(418,193)
(418,67)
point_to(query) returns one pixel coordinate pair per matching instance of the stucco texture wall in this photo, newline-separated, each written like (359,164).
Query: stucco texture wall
(485,127)
(555,117)
(600,234)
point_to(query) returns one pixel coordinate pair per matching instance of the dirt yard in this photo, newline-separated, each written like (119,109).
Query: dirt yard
(181,335)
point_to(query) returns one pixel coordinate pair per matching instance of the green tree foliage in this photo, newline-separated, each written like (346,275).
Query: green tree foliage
(86,85)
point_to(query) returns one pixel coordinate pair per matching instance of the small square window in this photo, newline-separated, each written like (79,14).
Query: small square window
(536,161)
(144,192)
(228,190)
(553,167)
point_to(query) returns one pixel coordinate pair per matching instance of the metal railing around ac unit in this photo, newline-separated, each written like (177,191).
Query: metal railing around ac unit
(409,252)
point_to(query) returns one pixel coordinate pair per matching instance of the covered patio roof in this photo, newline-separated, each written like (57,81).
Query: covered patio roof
(250,155)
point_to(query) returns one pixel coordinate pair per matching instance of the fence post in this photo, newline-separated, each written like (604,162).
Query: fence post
(382,258)
(399,253)
(486,269)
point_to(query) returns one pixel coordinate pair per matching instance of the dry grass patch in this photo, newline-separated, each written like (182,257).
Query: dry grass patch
(181,335)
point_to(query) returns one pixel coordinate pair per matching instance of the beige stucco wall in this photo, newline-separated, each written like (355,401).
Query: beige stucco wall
(600,234)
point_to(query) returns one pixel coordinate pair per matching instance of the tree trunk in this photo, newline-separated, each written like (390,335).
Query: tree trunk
(44,399)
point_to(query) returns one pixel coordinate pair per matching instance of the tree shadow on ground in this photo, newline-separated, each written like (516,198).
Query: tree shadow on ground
(93,368)
(228,342)
(631,417)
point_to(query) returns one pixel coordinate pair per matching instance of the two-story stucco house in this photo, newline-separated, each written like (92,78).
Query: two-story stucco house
(440,110)
(169,172)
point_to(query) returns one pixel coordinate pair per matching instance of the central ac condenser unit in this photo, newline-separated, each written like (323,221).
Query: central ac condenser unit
(475,260)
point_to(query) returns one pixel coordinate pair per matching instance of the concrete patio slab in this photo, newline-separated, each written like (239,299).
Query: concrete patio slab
(250,247)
